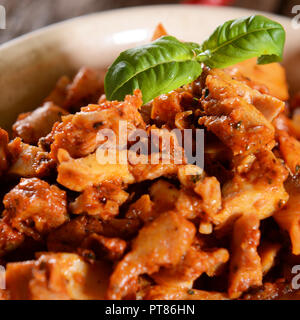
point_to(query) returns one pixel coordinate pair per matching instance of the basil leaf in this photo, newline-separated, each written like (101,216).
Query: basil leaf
(167,63)
(242,39)
(155,68)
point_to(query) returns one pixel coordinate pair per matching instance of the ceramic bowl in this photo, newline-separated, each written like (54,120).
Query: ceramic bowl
(31,64)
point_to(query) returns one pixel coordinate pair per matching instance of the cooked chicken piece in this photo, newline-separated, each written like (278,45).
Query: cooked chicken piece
(161,243)
(102,201)
(86,88)
(260,191)
(288,217)
(194,264)
(77,139)
(245,263)
(268,78)
(103,248)
(269,106)
(4,157)
(59,93)
(70,236)
(242,163)
(10,239)
(35,208)
(165,107)
(290,125)
(290,151)
(209,190)
(121,228)
(200,196)
(80,174)
(79,133)
(189,204)
(37,124)
(164,195)
(183,120)
(189,175)
(177,293)
(164,158)
(142,209)
(268,252)
(233,116)
(166,146)
(28,161)
(57,276)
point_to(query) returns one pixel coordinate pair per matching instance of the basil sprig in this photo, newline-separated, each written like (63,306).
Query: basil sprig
(168,63)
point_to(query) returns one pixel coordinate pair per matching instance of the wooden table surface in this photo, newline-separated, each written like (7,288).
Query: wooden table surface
(26,15)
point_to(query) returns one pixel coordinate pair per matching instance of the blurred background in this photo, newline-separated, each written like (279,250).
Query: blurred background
(27,15)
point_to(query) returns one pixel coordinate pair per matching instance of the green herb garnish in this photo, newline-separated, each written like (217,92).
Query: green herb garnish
(196,178)
(167,63)
(191,292)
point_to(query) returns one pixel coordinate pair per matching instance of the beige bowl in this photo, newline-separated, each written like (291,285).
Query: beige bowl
(30,65)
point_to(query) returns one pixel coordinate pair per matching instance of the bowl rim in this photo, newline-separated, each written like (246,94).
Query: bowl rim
(56,26)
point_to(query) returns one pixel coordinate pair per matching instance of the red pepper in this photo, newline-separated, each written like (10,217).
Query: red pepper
(210,2)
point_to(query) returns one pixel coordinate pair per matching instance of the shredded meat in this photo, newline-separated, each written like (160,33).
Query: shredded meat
(10,239)
(267,78)
(161,243)
(34,207)
(164,195)
(78,133)
(79,174)
(57,276)
(268,252)
(37,124)
(200,196)
(109,248)
(28,161)
(194,264)
(143,209)
(288,217)
(245,264)
(72,234)
(232,117)
(260,190)
(87,87)
(165,108)
(290,150)
(102,201)
(123,212)
(59,93)
(268,105)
